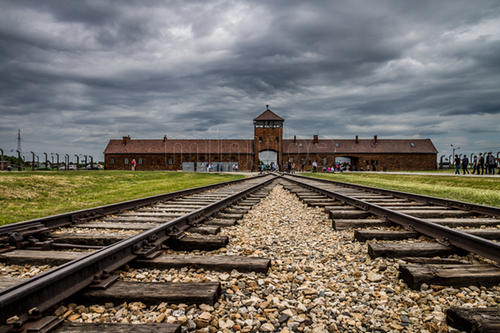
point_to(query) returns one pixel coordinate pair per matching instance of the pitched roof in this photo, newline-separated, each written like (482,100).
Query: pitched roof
(179,147)
(269,115)
(341,146)
(419,146)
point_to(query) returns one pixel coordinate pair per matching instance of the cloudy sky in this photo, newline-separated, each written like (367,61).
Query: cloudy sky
(76,73)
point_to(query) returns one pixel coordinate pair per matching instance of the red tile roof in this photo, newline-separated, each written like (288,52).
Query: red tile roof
(246,146)
(179,146)
(420,146)
(269,115)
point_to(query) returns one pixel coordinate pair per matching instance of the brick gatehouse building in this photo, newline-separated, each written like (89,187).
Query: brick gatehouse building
(269,147)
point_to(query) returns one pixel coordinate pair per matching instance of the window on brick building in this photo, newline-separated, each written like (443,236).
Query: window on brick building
(260,139)
(139,160)
(125,160)
(277,139)
(170,161)
(324,160)
(111,161)
(159,162)
(152,162)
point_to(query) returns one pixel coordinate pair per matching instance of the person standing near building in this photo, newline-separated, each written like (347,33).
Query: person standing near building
(474,165)
(315,166)
(491,163)
(480,164)
(465,165)
(457,165)
(133,164)
(293,168)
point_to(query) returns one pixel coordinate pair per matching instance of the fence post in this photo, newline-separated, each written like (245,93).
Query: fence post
(32,161)
(1,160)
(46,161)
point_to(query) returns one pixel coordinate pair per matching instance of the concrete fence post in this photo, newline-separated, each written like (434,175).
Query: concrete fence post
(32,160)
(46,161)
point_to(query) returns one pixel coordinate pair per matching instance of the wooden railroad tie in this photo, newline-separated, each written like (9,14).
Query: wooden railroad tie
(38,257)
(366,235)
(117,328)
(456,275)
(153,293)
(343,224)
(399,250)
(216,263)
(474,320)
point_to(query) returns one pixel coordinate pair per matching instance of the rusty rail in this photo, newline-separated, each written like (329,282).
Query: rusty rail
(458,239)
(482,209)
(43,291)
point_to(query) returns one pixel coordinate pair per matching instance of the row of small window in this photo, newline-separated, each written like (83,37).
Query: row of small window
(275,140)
(140,161)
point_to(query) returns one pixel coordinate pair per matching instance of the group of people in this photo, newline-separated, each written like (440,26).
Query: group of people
(339,167)
(212,167)
(480,164)
(263,167)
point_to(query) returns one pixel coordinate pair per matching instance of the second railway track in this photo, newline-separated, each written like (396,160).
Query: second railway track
(170,244)
(434,237)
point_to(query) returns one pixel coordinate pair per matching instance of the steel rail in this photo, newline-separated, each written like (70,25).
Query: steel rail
(442,234)
(64,219)
(43,291)
(483,209)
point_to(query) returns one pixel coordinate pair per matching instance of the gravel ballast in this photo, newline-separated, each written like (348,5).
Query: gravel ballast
(320,281)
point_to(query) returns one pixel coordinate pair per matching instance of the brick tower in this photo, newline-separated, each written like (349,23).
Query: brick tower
(268,138)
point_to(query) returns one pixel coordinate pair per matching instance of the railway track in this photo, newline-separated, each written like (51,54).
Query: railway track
(442,242)
(437,242)
(87,246)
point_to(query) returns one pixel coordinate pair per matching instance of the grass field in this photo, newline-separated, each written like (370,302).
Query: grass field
(481,190)
(27,195)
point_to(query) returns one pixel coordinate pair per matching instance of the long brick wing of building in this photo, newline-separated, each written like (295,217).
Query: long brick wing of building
(268,147)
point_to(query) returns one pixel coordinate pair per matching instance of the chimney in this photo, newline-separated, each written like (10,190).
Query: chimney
(165,138)
(315,139)
(125,139)
(294,139)
(357,139)
(375,139)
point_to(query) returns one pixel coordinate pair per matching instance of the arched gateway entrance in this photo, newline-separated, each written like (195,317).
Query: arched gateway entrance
(268,157)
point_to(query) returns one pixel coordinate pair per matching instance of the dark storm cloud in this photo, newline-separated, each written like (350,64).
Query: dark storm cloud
(74,74)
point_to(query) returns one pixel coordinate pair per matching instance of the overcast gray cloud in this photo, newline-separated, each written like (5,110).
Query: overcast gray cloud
(76,73)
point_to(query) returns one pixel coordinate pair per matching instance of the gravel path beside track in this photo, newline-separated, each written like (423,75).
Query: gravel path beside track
(320,280)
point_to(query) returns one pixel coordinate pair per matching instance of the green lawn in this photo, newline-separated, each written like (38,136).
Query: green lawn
(27,195)
(481,190)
